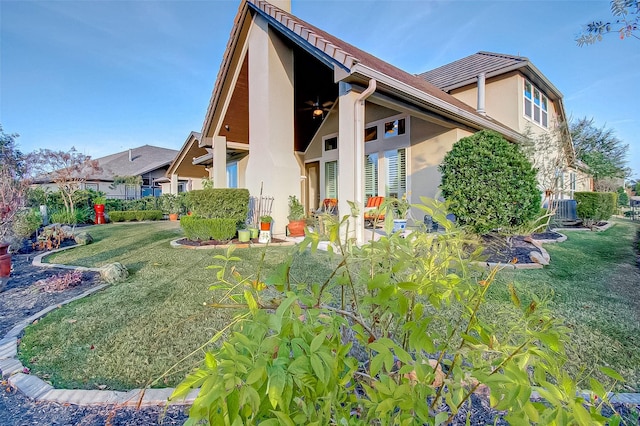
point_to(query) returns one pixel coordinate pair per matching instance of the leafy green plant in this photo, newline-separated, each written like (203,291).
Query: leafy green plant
(99,200)
(228,203)
(266,219)
(131,215)
(26,222)
(371,344)
(489,183)
(296,209)
(595,206)
(170,204)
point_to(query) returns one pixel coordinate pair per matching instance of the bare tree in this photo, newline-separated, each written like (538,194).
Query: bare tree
(13,182)
(68,170)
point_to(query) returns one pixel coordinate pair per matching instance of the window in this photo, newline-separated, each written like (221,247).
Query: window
(331,143)
(91,186)
(331,179)
(232,175)
(536,105)
(371,175)
(371,133)
(130,192)
(394,128)
(396,173)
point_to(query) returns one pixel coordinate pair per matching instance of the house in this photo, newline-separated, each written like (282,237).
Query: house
(297,111)
(511,90)
(188,168)
(140,172)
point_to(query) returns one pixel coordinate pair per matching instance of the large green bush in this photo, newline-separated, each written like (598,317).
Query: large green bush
(489,183)
(227,203)
(595,206)
(204,229)
(133,215)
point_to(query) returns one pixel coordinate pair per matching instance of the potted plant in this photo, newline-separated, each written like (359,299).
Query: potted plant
(400,209)
(171,205)
(98,207)
(243,235)
(253,231)
(265,223)
(297,217)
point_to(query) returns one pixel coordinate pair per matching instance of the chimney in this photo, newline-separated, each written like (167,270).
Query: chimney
(130,155)
(282,4)
(481,81)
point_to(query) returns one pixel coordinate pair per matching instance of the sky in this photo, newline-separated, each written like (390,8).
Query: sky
(106,76)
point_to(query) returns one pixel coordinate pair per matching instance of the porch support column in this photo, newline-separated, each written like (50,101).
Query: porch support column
(174,183)
(350,181)
(219,162)
(271,165)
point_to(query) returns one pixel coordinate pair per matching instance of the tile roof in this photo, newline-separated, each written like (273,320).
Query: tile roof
(144,159)
(466,70)
(340,53)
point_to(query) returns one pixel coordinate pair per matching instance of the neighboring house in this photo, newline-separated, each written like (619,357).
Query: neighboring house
(297,111)
(511,90)
(188,169)
(147,162)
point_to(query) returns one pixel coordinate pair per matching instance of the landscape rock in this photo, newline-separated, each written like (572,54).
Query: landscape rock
(114,272)
(83,238)
(537,257)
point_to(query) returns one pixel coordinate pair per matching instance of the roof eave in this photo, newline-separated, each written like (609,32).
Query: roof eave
(413,94)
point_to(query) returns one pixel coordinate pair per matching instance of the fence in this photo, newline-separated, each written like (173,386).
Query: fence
(259,206)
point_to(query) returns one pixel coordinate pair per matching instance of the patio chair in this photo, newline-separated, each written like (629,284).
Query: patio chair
(372,213)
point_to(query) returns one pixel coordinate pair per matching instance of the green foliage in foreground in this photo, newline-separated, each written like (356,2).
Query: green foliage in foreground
(367,348)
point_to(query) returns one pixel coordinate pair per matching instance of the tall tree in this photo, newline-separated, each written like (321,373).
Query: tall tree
(68,170)
(626,23)
(600,149)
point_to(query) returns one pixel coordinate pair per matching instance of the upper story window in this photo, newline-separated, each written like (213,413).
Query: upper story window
(331,143)
(536,105)
(394,128)
(371,133)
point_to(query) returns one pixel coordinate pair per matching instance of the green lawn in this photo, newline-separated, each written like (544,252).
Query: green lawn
(141,327)
(132,332)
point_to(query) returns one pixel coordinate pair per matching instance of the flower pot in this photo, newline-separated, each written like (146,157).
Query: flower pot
(5,260)
(243,235)
(100,219)
(254,233)
(265,226)
(296,228)
(173,216)
(399,225)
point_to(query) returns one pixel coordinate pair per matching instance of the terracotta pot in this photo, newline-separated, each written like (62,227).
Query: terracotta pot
(265,226)
(296,228)
(5,260)
(173,216)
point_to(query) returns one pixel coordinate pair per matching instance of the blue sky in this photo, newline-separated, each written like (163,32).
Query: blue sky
(105,76)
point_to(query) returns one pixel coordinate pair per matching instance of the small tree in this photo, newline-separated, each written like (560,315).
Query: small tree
(68,170)
(489,183)
(13,182)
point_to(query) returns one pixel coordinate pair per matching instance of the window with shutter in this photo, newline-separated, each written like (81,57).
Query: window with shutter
(331,179)
(396,173)
(371,175)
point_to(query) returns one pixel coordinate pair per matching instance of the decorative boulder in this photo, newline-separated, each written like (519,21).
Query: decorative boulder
(114,272)
(538,257)
(83,238)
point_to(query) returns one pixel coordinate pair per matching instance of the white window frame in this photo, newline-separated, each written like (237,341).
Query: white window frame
(542,108)
(232,174)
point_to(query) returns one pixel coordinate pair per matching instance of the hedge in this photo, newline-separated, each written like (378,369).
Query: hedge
(139,215)
(596,205)
(199,228)
(221,203)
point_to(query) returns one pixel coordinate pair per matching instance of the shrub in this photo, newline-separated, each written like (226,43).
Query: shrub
(623,198)
(489,183)
(26,223)
(139,215)
(595,206)
(231,203)
(199,228)
(79,215)
(375,346)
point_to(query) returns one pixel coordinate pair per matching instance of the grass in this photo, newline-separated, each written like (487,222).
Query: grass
(130,333)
